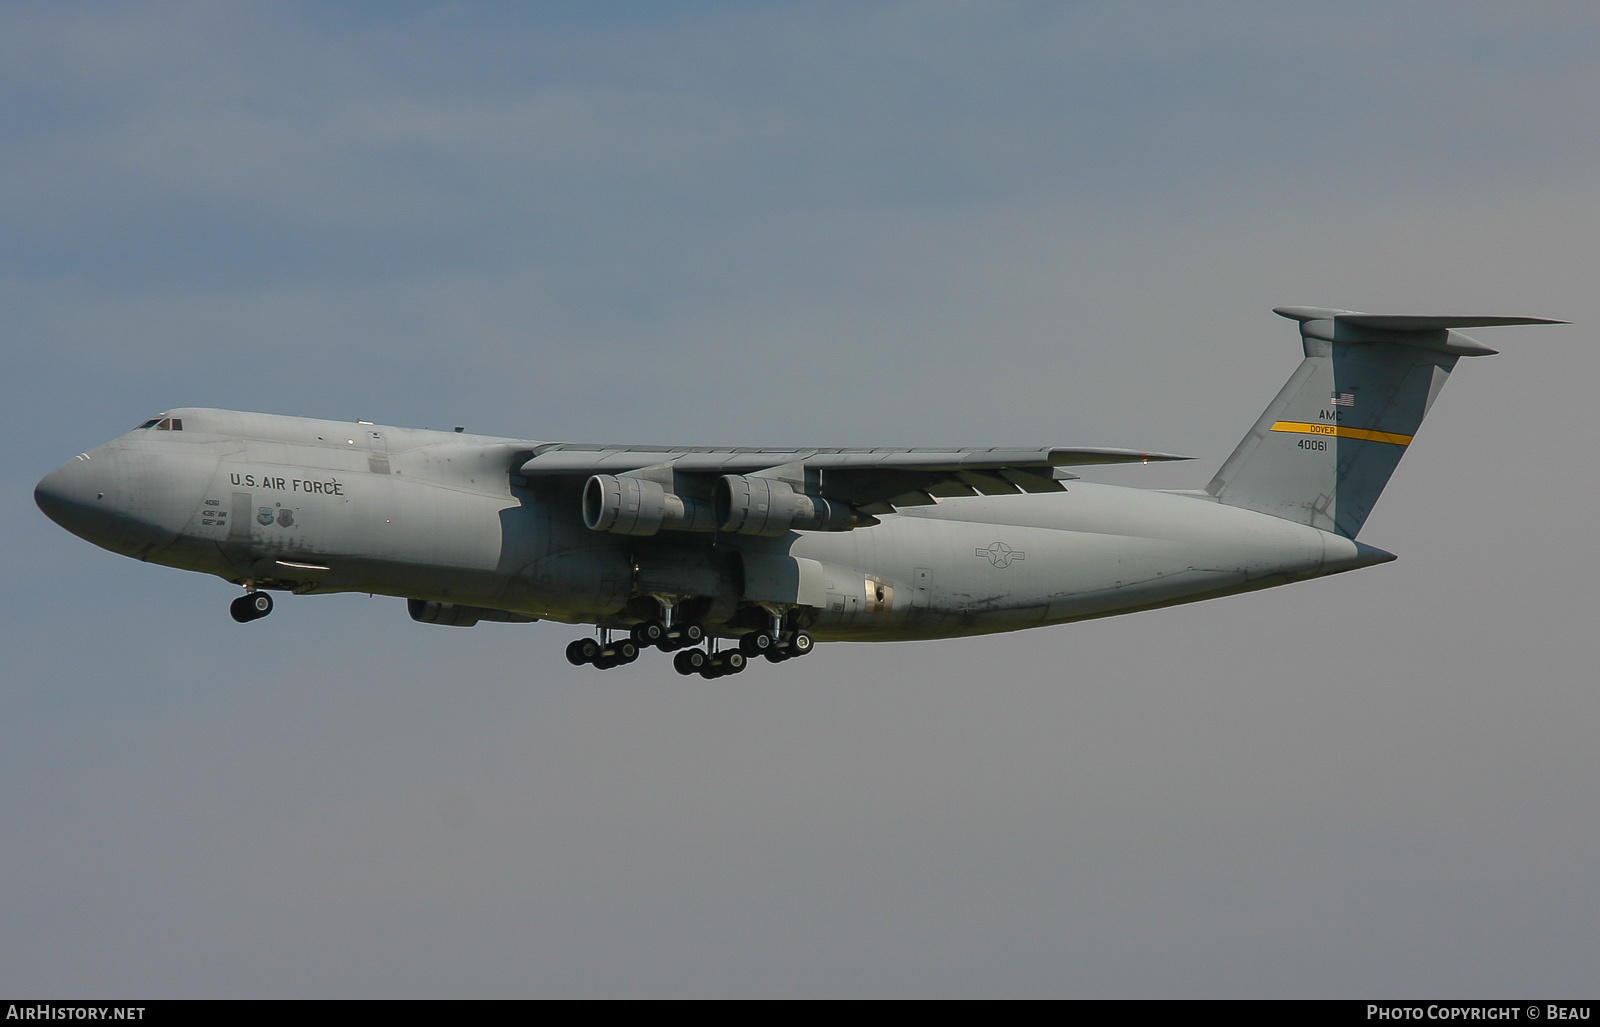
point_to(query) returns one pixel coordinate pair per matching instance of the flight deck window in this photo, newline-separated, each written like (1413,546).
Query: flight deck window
(150,423)
(170,424)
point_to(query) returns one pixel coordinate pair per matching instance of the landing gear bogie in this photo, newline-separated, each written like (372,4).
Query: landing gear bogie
(798,644)
(680,636)
(690,660)
(602,657)
(723,664)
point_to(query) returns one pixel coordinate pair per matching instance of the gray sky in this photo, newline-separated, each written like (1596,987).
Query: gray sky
(909,223)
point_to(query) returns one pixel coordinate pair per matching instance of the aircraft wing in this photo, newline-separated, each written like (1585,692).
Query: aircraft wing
(872,481)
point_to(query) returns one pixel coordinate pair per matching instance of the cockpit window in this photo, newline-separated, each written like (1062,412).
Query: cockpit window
(169,424)
(150,423)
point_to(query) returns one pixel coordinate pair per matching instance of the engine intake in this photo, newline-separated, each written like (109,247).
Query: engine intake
(639,506)
(766,506)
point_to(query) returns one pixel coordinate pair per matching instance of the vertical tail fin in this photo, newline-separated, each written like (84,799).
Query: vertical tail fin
(1326,446)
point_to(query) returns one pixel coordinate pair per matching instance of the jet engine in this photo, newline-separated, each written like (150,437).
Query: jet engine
(766,506)
(639,506)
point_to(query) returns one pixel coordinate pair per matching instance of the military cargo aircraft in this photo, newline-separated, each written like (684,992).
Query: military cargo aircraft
(723,555)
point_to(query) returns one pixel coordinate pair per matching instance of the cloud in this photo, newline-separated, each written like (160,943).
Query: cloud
(381,149)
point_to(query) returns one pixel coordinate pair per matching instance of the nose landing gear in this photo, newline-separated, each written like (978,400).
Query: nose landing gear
(250,606)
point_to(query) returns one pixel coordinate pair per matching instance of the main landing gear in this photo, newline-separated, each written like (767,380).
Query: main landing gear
(709,665)
(707,662)
(776,645)
(662,634)
(604,653)
(250,606)
(756,643)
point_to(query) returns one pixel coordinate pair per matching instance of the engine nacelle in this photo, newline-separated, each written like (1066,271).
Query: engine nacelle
(426,611)
(639,506)
(765,506)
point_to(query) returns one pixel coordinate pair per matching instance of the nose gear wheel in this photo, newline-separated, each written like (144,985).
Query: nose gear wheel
(250,606)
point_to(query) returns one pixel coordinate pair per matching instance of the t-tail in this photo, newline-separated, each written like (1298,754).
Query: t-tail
(1323,451)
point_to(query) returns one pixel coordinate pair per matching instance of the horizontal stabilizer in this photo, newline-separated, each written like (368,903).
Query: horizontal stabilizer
(1407,322)
(1424,331)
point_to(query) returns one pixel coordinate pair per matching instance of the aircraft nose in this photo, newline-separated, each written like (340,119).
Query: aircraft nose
(74,495)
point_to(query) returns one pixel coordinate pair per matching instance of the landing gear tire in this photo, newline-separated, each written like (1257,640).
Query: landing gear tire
(650,633)
(249,607)
(627,651)
(776,655)
(582,651)
(800,644)
(690,661)
(755,643)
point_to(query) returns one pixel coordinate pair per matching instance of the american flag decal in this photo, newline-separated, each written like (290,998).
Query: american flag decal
(1343,399)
